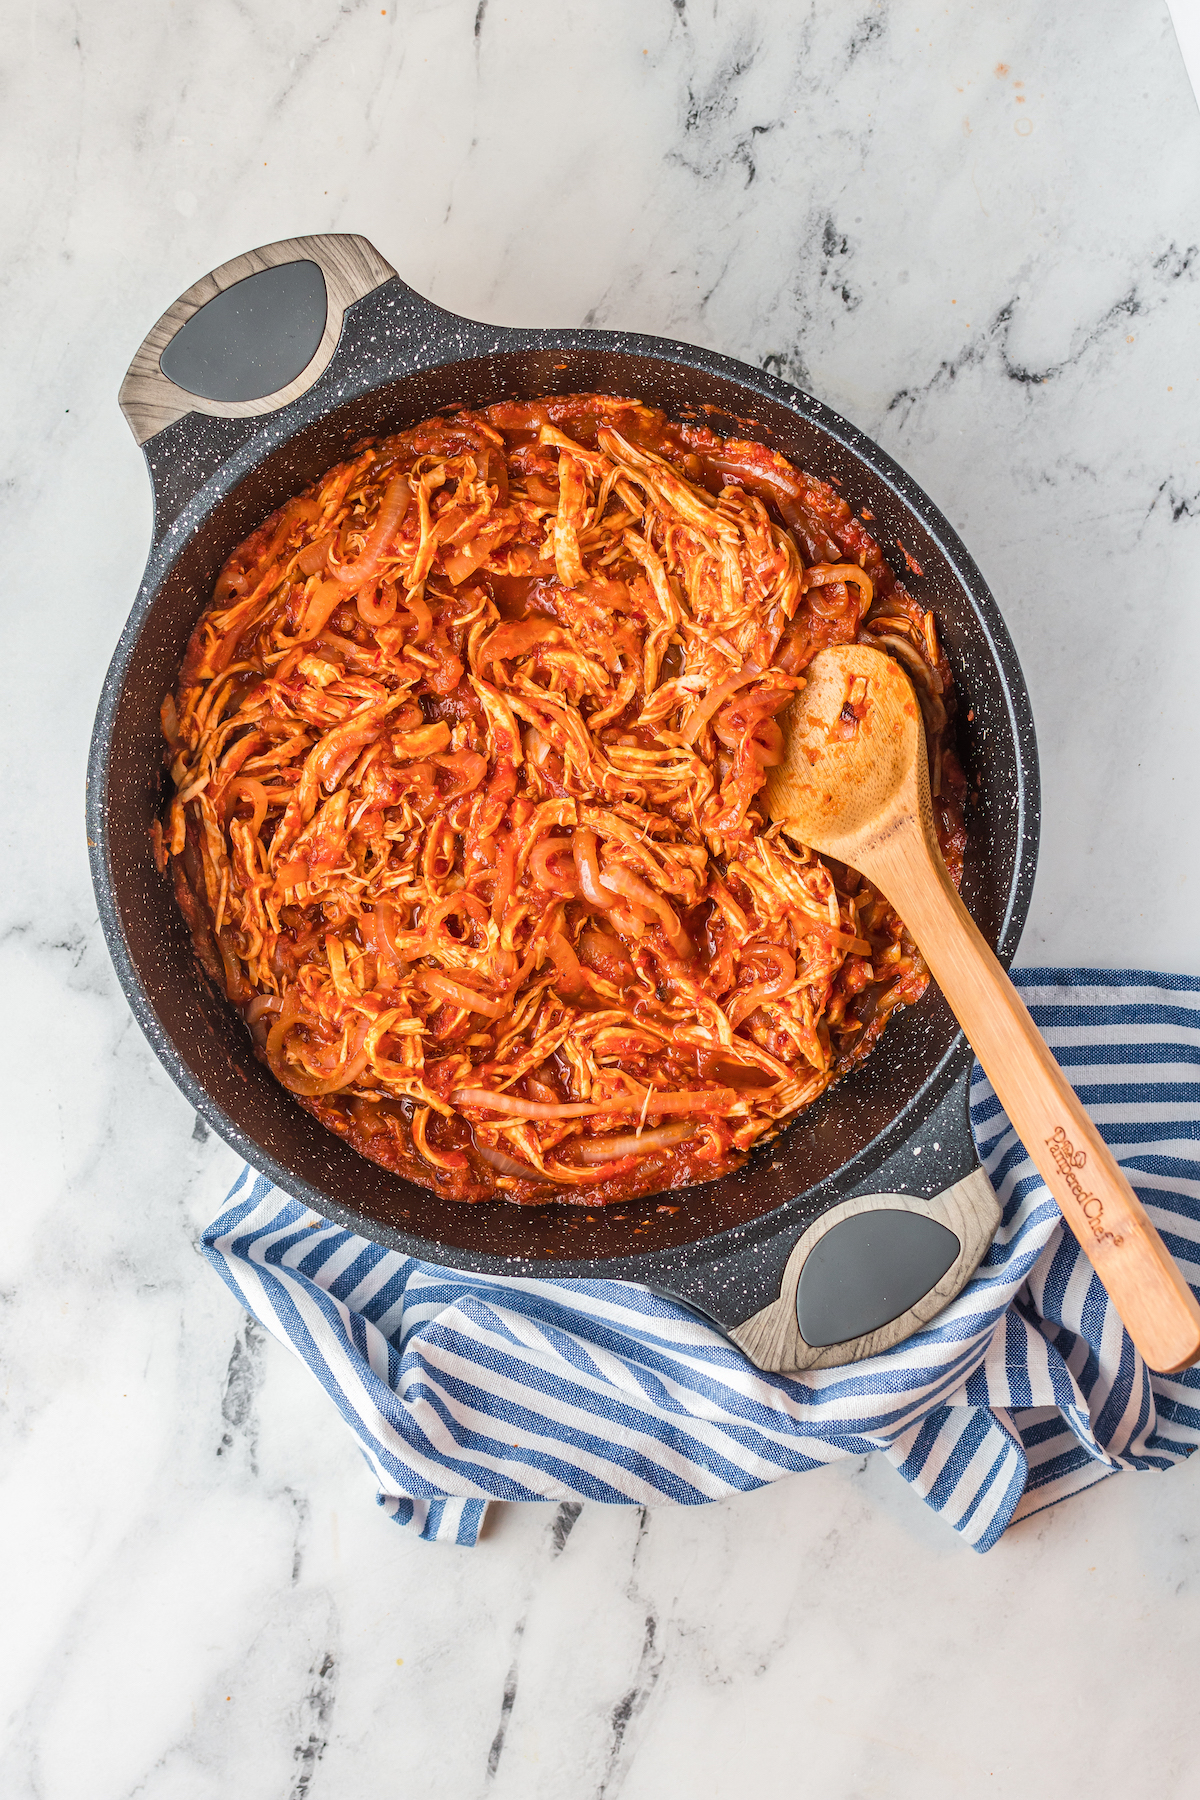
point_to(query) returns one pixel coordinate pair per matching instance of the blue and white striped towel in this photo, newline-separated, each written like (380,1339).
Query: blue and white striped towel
(464,1388)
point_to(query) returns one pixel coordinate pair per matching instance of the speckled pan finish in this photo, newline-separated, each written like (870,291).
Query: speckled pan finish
(722,1246)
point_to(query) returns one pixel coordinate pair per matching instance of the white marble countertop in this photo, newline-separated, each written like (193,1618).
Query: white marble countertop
(972,230)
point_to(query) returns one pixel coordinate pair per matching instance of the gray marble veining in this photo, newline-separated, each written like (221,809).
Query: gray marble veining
(974,232)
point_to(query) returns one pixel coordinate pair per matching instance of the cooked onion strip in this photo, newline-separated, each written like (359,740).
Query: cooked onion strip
(457,993)
(821,573)
(397,499)
(508,1165)
(570,975)
(542,871)
(620,880)
(612,1149)
(263,1003)
(588,864)
(713,1099)
(353,1062)
(377,611)
(254,791)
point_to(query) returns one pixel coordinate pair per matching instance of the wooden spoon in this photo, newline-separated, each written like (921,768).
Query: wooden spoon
(854,784)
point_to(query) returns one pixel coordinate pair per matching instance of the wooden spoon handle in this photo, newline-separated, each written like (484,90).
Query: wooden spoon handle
(1099,1205)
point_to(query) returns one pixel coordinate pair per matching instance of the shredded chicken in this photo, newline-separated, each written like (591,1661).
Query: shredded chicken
(465,753)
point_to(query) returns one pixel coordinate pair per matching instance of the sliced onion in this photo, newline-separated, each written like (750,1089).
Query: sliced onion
(308,1086)
(463,906)
(323,602)
(695,1100)
(747,1001)
(254,791)
(418,610)
(535,746)
(620,880)
(263,1003)
(508,1165)
(314,556)
(777,481)
(821,573)
(504,966)
(587,863)
(829,934)
(766,741)
(237,988)
(785,967)
(441,1159)
(743,716)
(169,720)
(342,1077)
(911,657)
(611,1149)
(696,721)
(630,921)
(466,768)
(379,611)
(397,498)
(829,600)
(233,584)
(385,940)
(570,975)
(505,876)
(388,965)
(740,1005)
(457,993)
(604,952)
(545,875)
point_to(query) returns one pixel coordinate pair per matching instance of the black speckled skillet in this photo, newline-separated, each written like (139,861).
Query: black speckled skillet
(870,1213)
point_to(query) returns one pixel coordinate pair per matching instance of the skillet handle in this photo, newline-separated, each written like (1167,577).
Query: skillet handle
(869,1269)
(869,1273)
(251,336)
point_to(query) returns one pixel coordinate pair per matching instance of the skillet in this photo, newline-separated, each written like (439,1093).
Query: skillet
(870,1212)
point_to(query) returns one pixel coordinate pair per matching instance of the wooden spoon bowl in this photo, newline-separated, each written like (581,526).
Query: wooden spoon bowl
(854,784)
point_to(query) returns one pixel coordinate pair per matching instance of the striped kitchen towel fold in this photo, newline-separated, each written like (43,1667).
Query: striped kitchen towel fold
(463,1388)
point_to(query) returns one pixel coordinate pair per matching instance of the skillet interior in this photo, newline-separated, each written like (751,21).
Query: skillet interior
(852,1128)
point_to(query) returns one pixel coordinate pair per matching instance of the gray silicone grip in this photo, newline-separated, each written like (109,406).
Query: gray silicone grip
(870,1272)
(251,336)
